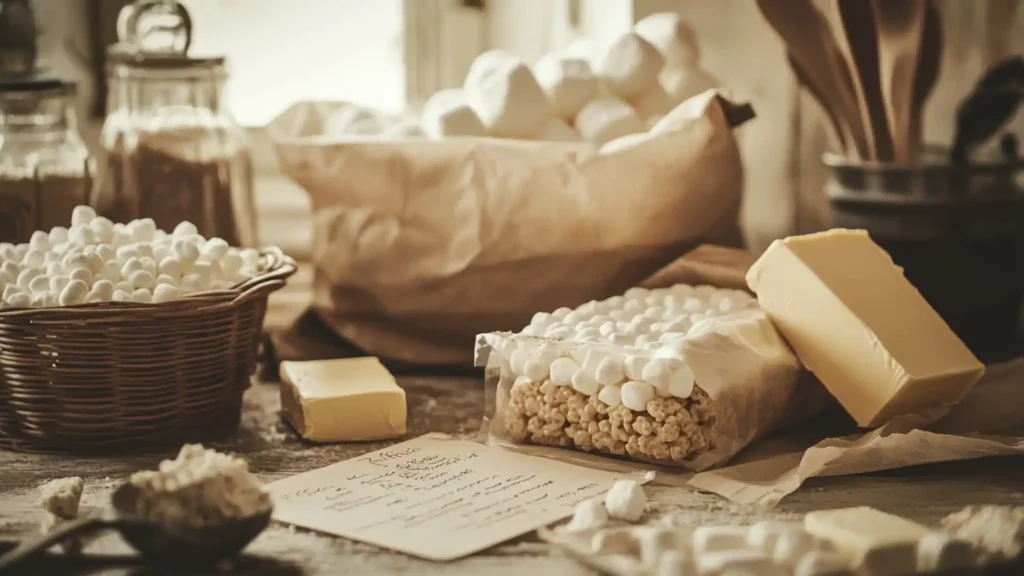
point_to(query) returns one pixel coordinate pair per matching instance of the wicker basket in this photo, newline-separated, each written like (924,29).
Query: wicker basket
(116,376)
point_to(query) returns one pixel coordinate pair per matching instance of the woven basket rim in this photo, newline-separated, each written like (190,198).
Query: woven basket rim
(279,268)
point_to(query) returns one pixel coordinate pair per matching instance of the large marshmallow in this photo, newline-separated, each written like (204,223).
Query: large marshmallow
(584,48)
(568,82)
(629,67)
(606,118)
(556,130)
(354,120)
(673,37)
(447,113)
(404,128)
(654,104)
(624,142)
(681,85)
(506,96)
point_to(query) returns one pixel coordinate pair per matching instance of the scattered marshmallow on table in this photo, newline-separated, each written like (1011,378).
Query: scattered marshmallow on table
(506,96)
(626,500)
(448,113)
(569,83)
(95,260)
(629,67)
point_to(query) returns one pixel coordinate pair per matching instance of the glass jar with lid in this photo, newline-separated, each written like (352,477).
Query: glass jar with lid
(171,151)
(44,166)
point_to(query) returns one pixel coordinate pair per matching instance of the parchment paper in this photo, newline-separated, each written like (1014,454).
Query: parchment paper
(989,421)
(421,245)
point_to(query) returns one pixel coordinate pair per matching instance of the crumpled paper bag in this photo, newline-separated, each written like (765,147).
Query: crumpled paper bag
(421,245)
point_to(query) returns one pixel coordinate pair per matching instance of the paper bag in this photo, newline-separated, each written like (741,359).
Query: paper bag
(421,245)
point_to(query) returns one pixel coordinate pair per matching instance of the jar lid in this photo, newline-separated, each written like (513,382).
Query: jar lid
(156,34)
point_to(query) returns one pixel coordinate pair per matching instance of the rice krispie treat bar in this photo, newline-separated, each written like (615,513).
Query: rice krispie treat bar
(616,376)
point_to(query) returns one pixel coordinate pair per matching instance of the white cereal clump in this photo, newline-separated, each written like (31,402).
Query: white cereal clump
(95,260)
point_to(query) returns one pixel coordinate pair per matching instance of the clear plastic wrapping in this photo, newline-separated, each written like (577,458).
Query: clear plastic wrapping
(689,397)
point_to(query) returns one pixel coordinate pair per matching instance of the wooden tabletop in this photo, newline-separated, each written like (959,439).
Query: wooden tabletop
(453,405)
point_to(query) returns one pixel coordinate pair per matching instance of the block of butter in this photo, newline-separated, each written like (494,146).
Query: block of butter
(858,324)
(874,542)
(342,400)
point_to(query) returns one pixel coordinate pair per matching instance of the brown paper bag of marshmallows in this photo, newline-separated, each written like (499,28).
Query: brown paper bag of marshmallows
(421,245)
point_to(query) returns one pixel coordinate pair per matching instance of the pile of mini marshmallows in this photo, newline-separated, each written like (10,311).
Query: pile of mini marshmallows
(657,320)
(96,260)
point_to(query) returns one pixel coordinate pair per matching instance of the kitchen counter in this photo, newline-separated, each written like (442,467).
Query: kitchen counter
(451,405)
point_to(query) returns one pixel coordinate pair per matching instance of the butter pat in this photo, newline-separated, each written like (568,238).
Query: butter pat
(859,325)
(343,400)
(875,543)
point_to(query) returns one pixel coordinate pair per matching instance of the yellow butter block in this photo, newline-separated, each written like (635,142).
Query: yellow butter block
(861,327)
(342,400)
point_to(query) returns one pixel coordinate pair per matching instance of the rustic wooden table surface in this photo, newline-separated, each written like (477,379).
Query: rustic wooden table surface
(454,406)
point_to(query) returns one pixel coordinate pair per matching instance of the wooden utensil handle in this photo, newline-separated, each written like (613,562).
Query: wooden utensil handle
(29,549)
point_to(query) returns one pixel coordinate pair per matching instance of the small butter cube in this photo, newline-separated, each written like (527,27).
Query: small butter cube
(343,400)
(873,542)
(861,327)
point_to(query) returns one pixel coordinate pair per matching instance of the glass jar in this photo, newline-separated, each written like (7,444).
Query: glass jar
(171,151)
(44,166)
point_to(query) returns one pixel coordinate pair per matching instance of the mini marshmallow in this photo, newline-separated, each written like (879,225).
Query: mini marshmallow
(250,258)
(143,229)
(535,370)
(611,396)
(629,67)
(607,118)
(506,96)
(633,367)
(185,228)
(719,538)
(626,500)
(81,235)
(121,296)
(568,82)
(39,241)
(609,371)
(658,372)
(763,535)
(562,371)
(141,279)
(26,276)
(82,215)
(18,300)
(102,228)
(111,271)
(40,283)
(42,300)
(34,258)
(791,546)
(589,515)
(142,296)
(519,359)
(585,383)
(11,290)
(103,289)
(672,36)
(58,235)
(10,270)
(447,113)
(57,284)
(557,130)
(675,563)
(74,293)
(165,279)
(124,286)
(681,382)
(194,283)
(165,292)
(636,395)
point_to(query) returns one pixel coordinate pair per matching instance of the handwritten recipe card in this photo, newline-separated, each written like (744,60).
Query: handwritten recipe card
(436,497)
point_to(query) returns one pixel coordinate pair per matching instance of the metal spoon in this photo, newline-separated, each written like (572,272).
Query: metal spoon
(155,543)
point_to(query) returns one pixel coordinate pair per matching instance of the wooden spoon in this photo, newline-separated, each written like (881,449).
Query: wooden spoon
(860,40)
(839,128)
(900,24)
(929,65)
(809,41)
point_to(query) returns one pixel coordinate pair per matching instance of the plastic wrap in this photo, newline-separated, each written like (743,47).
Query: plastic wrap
(742,380)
